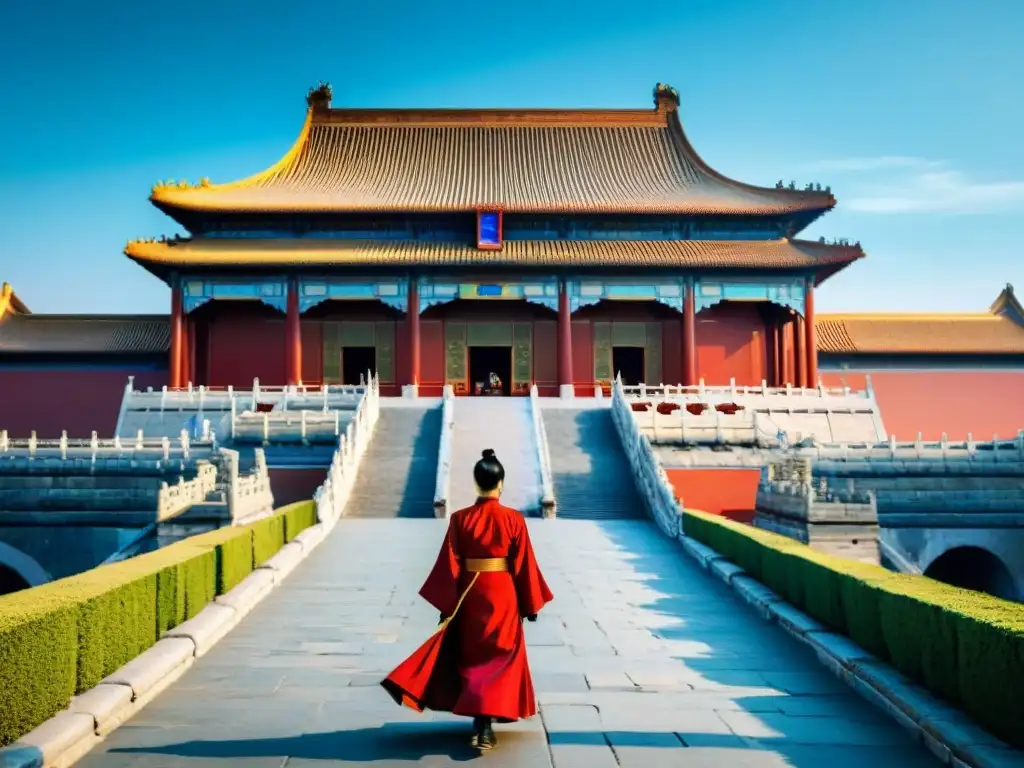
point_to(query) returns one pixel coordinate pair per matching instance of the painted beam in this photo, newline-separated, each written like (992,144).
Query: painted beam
(197,292)
(543,291)
(668,291)
(313,291)
(785,293)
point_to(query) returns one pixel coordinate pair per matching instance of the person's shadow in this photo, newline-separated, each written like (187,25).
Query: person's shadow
(392,741)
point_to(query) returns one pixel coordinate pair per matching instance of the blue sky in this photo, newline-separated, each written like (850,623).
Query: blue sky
(910,110)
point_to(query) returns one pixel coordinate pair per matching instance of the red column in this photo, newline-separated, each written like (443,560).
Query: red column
(186,350)
(174,378)
(799,340)
(413,318)
(786,334)
(565,383)
(689,338)
(293,335)
(810,335)
(776,354)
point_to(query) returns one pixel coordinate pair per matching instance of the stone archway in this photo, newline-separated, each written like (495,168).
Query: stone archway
(974,568)
(19,571)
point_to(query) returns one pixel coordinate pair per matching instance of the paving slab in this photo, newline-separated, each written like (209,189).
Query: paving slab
(644,659)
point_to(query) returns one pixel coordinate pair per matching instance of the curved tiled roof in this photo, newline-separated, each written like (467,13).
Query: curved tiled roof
(593,161)
(85,334)
(514,253)
(919,334)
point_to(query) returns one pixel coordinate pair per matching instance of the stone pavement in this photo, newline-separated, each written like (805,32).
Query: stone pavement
(642,660)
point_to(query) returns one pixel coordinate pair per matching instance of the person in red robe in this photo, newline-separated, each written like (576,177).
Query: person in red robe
(484,583)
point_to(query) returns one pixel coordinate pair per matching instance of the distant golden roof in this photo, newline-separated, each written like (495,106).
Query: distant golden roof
(996,332)
(85,334)
(526,160)
(10,303)
(514,253)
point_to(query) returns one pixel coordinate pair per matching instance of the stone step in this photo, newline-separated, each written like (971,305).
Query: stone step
(589,470)
(506,426)
(398,473)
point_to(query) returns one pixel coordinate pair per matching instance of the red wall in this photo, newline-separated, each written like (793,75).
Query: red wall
(983,403)
(290,485)
(730,344)
(728,492)
(431,357)
(583,357)
(545,357)
(671,352)
(77,400)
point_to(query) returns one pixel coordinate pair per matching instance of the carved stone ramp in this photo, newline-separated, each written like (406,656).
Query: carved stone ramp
(506,425)
(643,659)
(398,472)
(590,472)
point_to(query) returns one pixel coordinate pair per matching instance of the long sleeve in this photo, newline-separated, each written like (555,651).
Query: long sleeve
(441,589)
(531,589)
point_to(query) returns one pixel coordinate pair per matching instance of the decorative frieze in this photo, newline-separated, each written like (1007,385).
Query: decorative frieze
(543,291)
(668,291)
(788,293)
(313,291)
(196,292)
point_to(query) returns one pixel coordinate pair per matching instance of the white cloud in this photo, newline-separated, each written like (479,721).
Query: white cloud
(884,163)
(937,192)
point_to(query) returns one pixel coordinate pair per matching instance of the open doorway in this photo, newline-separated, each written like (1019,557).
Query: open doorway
(485,361)
(356,362)
(629,362)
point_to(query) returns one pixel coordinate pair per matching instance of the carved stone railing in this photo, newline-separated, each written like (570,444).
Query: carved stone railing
(213,399)
(443,482)
(649,475)
(290,426)
(175,499)
(547,486)
(93,448)
(724,393)
(332,496)
(248,495)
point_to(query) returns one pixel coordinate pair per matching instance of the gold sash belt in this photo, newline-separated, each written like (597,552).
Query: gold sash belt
(485,564)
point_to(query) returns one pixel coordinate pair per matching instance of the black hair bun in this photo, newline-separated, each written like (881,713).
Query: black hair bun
(488,453)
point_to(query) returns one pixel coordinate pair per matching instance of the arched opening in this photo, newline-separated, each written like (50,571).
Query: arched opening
(974,568)
(11,581)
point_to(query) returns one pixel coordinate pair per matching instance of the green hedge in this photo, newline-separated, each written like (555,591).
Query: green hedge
(964,646)
(62,638)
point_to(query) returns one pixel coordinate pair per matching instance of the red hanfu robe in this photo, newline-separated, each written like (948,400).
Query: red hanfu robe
(475,664)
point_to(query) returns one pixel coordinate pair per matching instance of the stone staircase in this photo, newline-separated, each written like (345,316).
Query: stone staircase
(506,425)
(398,473)
(589,470)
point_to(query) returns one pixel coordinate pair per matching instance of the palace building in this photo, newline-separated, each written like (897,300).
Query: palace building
(435,247)
(547,247)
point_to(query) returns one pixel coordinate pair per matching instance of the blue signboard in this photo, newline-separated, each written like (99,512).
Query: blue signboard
(490,228)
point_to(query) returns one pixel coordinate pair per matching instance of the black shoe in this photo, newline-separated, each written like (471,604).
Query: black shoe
(483,735)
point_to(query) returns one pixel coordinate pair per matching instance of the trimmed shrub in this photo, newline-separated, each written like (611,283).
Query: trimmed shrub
(62,638)
(297,518)
(991,665)
(38,650)
(115,625)
(964,646)
(267,538)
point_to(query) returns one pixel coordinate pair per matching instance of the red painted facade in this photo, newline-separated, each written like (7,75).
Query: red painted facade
(76,400)
(291,485)
(731,493)
(235,342)
(983,403)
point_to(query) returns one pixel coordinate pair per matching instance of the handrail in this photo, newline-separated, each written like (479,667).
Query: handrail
(648,473)
(547,486)
(293,396)
(443,482)
(701,391)
(332,496)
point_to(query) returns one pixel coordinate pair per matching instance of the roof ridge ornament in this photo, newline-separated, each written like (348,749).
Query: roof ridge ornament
(319,98)
(666,98)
